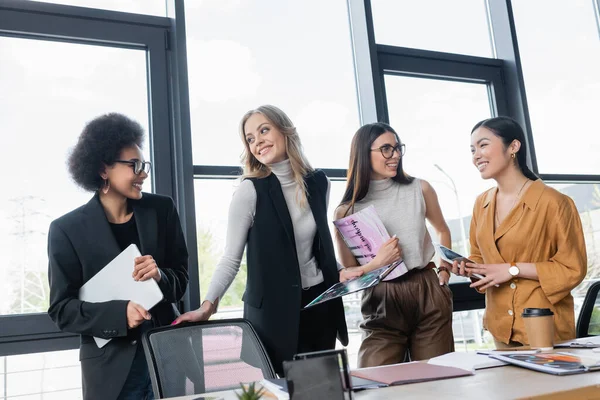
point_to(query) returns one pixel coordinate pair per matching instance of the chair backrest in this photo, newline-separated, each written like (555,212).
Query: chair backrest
(588,323)
(202,357)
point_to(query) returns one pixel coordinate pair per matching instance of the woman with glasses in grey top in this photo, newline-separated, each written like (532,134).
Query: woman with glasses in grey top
(412,314)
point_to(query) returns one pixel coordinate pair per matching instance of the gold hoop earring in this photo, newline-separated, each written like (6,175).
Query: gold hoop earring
(106,186)
(512,156)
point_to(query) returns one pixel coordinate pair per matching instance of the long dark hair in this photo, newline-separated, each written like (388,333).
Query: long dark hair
(359,170)
(508,130)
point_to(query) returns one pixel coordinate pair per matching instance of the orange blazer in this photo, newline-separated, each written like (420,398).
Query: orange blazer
(543,228)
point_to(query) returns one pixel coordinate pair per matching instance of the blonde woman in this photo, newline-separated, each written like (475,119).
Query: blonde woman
(279,213)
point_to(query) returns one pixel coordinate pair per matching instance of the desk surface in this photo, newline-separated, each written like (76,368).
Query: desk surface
(508,382)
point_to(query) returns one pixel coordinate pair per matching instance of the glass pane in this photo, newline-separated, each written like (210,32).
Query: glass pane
(52,375)
(148,7)
(434,118)
(448,26)
(48,91)
(587,199)
(562,82)
(244,54)
(212,207)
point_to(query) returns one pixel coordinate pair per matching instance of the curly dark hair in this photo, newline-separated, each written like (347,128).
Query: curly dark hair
(100,144)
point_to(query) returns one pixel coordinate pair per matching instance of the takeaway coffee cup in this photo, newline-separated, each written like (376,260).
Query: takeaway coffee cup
(539,324)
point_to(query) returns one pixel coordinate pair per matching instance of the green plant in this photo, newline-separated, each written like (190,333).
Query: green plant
(250,393)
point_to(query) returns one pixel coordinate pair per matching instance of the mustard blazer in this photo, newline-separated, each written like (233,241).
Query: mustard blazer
(543,228)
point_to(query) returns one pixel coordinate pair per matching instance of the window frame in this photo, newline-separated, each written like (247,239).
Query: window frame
(168,123)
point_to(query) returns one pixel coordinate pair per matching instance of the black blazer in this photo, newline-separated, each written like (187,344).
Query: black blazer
(272,301)
(80,244)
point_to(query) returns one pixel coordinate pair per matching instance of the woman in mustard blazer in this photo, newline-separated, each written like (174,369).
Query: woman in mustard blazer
(526,238)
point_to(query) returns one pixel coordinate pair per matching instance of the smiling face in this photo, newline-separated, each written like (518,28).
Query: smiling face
(264,141)
(489,154)
(382,167)
(124,182)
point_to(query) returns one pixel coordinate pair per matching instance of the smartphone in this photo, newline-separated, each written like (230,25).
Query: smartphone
(450,256)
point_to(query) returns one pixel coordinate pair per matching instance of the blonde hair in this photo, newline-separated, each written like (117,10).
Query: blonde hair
(293,148)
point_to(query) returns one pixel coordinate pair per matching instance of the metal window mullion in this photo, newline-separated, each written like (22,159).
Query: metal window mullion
(507,49)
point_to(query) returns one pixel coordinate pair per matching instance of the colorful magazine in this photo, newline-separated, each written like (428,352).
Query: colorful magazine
(355,285)
(364,233)
(552,363)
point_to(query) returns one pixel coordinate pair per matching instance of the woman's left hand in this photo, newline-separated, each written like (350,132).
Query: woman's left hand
(145,268)
(444,272)
(494,274)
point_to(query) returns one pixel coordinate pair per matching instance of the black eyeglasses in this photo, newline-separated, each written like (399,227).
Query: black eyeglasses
(137,165)
(387,150)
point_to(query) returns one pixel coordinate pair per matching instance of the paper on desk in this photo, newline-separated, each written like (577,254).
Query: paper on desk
(275,389)
(590,342)
(464,360)
(114,282)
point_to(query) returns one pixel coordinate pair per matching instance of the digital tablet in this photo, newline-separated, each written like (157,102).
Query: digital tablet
(450,256)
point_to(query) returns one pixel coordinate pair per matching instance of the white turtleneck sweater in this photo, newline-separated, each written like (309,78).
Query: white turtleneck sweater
(241,216)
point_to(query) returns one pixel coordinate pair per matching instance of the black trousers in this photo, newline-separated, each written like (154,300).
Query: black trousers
(318,328)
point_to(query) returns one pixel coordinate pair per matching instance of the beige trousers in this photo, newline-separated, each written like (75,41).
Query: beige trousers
(409,316)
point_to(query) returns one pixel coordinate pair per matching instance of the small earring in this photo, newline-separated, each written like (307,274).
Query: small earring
(512,156)
(106,186)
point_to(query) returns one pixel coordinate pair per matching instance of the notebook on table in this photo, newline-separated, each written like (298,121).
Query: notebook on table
(466,360)
(400,374)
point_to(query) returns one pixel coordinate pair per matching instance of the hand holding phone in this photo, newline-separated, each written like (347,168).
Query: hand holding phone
(451,256)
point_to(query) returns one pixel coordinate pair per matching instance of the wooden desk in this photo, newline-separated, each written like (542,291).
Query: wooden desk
(506,382)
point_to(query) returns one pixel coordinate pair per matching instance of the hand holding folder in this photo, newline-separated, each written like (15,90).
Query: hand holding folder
(115,282)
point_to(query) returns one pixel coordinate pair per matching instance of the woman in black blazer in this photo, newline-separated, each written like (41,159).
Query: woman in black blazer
(108,160)
(279,214)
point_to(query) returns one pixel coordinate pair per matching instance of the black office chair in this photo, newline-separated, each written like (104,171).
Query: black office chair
(194,358)
(588,323)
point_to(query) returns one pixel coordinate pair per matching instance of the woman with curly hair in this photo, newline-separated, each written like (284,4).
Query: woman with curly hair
(108,160)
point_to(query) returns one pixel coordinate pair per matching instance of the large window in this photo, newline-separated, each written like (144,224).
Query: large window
(449,26)
(434,119)
(587,200)
(149,7)
(560,52)
(240,56)
(296,55)
(48,91)
(48,376)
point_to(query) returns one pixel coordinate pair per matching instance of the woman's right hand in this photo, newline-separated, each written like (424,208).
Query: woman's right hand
(136,314)
(349,273)
(389,252)
(201,314)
